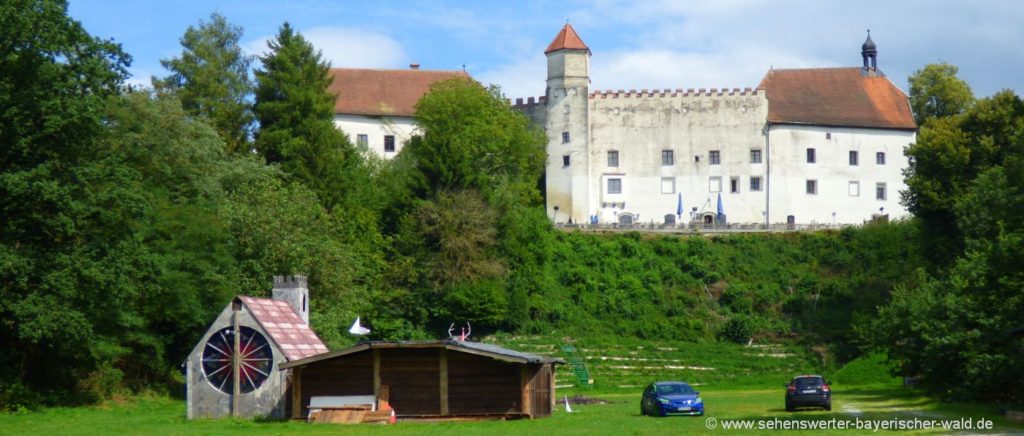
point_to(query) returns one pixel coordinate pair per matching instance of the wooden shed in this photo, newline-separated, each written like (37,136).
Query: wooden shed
(430,379)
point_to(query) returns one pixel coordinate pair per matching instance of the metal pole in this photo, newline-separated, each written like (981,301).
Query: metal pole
(768,172)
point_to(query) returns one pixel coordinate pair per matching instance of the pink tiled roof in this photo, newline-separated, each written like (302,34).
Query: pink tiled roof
(292,335)
(384,92)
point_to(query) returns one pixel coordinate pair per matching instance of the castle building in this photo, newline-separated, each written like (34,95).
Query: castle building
(806,146)
(375,107)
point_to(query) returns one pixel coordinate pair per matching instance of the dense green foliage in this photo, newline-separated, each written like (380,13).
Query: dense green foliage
(966,182)
(212,80)
(936,92)
(67,252)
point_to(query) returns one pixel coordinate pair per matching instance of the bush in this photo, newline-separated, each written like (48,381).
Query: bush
(737,329)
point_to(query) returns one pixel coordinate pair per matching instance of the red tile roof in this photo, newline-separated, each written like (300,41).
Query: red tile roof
(292,335)
(845,97)
(383,92)
(567,39)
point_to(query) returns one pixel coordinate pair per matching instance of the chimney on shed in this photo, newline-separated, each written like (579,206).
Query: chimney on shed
(294,291)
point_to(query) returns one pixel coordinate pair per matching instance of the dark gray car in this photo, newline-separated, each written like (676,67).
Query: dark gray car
(808,391)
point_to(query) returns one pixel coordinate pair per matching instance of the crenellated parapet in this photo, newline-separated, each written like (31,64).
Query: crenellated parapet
(679,92)
(519,103)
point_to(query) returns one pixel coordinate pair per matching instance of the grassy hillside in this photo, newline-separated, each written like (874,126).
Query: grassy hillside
(616,365)
(794,287)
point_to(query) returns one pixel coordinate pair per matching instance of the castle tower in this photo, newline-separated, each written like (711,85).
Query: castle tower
(568,167)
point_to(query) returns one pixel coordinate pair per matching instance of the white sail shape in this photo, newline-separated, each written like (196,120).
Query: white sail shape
(357,329)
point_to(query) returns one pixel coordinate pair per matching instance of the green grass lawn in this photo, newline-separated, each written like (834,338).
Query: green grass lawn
(154,415)
(736,382)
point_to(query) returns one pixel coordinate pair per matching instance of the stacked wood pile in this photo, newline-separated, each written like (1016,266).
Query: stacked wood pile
(357,413)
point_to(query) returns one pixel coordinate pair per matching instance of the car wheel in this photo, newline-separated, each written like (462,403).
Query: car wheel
(828,406)
(642,411)
(789,406)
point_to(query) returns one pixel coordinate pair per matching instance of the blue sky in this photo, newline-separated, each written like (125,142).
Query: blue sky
(635,44)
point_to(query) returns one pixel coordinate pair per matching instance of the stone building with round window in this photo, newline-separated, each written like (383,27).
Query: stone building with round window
(234,369)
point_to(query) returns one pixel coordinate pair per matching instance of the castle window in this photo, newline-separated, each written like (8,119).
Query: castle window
(613,158)
(854,189)
(614,186)
(828,135)
(755,184)
(715,158)
(880,191)
(565,160)
(363,141)
(880,158)
(811,158)
(667,158)
(734,185)
(812,186)
(853,158)
(565,137)
(668,185)
(389,143)
(715,184)
(755,156)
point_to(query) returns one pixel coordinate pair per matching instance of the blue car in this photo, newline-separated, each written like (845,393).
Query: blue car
(671,398)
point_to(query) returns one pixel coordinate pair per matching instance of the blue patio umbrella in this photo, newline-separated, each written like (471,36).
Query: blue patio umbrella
(721,210)
(679,206)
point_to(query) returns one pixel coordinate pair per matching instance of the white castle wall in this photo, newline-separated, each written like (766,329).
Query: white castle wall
(690,124)
(376,127)
(790,172)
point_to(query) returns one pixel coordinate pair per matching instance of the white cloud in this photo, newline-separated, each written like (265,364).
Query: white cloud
(521,79)
(139,78)
(347,47)
(663,68)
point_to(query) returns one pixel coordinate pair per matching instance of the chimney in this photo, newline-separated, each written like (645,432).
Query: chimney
(414,66)
(294,291)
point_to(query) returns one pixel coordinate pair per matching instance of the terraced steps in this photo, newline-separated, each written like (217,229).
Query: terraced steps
(632,363)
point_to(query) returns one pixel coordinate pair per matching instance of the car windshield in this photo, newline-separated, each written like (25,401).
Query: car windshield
(674,389)
(809,382)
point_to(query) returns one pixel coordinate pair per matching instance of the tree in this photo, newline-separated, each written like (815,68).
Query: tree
(949,154)
(953,329)
(212,79)
(295,111)
(936,92)
(472,139)
(66,257)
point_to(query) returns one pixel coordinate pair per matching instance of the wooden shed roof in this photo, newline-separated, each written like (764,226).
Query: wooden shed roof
(487,350)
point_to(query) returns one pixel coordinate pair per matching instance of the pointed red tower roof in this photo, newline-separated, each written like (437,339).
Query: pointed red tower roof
(567,39)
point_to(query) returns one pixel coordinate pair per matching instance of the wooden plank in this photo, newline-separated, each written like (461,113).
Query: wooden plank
(324,356)
(297,393)
(494,356)
(378,416)
(524,381)
(236,367)
(376,372)
(340,415)
(443,380)
(551,384)
(384,398)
